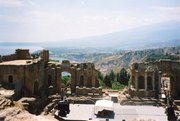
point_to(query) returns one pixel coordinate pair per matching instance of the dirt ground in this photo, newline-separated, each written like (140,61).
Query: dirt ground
(18,114)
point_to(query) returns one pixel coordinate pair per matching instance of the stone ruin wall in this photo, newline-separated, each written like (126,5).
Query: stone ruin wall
(20,54)
(15,71)
(155,70)
(83,75)
(34,77)
(25,76)
(9,57)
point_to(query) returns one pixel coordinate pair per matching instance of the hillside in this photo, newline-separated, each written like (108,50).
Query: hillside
(116,61)
(113,59)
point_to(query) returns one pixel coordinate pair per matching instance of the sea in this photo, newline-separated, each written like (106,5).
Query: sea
(6,50)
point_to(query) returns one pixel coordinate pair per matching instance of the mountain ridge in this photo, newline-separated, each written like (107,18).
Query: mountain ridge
(161,33)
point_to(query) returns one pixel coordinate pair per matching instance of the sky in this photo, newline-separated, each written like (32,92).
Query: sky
(59,20)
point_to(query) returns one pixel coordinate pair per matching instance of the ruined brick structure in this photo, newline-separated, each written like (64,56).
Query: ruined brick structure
(155,78)
(33,76)
(84,76)
(22,73)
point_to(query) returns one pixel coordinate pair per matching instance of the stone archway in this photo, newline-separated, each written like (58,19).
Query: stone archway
(71,72)
(82,75)
(66,79)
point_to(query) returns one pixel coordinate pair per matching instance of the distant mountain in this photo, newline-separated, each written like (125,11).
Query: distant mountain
(165,34)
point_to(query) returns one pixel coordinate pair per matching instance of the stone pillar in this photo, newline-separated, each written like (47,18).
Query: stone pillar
(58,79)
(146,81)
(153,79)
(73,83)
(131,81)
(77,78)
(159,83)
(58,84)
(136,81)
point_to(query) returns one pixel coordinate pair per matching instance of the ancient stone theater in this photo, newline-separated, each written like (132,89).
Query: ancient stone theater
(28,75)
(155,79)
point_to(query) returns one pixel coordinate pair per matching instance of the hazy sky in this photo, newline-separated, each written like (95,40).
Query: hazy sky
(57,20)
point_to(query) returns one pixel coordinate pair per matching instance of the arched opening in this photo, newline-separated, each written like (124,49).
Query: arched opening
(81,84)
(149,83)
(36,86)
(49,80)
(141,84)
(66,81)
(168,86)
(10,79)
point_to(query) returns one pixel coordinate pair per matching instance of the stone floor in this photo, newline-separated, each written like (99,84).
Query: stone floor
(128,113)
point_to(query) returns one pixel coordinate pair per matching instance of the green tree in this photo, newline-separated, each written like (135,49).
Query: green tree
(117,86)
(107,81)
(101,79)
(66,80)
(118,77)
(123,77)
(112,76)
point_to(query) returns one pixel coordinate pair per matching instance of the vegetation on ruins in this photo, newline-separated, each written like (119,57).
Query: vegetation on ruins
(66,80)
(35,55)
(115,81)
(53,60)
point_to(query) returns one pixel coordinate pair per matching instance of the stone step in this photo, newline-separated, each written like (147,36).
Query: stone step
(1,98)
(1,107)
(5,103)
(2,101)
(25,105)
(9,103)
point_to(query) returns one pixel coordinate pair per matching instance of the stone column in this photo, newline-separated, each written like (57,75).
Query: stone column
(77,78)
(136,81)
(131,81)
(146,81)
(159,83)
(153,76)
(73,83)
(58,79)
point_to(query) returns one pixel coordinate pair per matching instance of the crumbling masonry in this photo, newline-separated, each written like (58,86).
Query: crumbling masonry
(29,76)
(154,79)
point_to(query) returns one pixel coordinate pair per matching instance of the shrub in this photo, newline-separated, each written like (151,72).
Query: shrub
(117,86)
